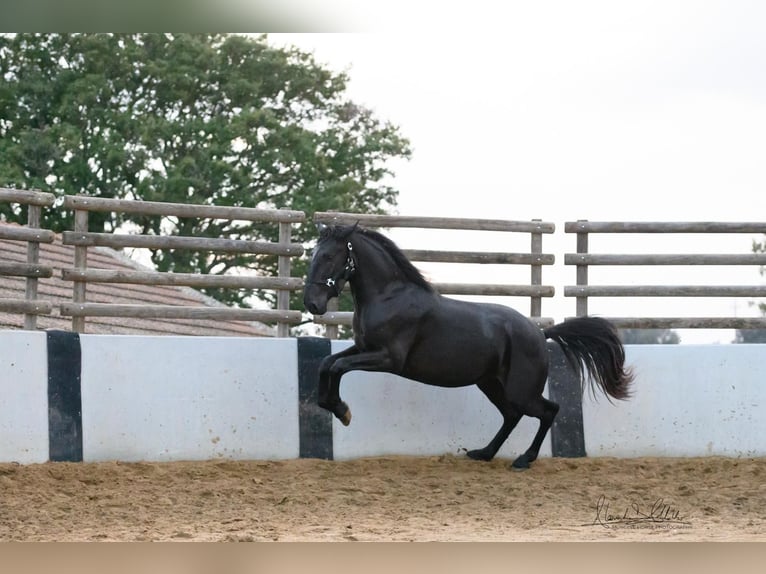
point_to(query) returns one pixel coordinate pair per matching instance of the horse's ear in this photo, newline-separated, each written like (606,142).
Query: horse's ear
(320,227)
(350,230)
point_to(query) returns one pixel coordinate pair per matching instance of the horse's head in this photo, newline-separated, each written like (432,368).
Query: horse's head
(332,264)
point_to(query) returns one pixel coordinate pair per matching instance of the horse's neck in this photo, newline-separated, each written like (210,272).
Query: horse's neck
(376,273)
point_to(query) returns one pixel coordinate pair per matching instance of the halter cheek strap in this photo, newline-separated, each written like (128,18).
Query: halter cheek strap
(344,275)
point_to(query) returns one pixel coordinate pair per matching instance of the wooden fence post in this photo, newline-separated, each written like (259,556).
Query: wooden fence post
(33,258)
(80,262)
(284,267)
(331,331)
(536,302)
(581,308)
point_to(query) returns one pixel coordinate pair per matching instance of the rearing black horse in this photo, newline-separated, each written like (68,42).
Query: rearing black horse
(403,326)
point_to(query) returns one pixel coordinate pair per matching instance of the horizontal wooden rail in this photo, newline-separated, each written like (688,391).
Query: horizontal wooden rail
(28,307)
(87,203)
(502,290)
(182,279)
(688,322)
(89,239)
(663,227)
(665,291)
(336,218)
(337,318)
(179,312)
(427,256)
(488,289)
(31,234)
(26,270)
(27,197)
(665,259)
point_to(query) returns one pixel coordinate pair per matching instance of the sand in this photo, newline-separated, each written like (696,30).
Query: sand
(444,498)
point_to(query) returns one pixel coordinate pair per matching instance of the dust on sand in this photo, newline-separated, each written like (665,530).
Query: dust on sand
(444,498)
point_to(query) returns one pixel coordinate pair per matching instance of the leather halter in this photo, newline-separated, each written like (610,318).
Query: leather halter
(344,275)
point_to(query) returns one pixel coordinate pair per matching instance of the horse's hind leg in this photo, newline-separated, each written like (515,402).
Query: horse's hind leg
(511,417)
(545,410)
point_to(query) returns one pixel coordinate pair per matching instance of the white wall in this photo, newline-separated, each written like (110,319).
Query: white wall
(184,398)
(23,397)
(188,398)
(689,400)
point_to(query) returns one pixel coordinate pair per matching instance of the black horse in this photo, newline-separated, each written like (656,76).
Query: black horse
(403,326)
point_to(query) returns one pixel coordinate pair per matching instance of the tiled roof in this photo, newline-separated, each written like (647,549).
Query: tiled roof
(56,290)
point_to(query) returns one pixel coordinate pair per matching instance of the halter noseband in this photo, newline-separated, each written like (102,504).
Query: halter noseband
(344,275)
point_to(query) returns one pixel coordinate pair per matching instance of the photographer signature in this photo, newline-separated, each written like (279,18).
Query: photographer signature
(635,515)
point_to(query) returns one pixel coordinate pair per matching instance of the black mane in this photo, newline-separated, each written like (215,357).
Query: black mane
(410,272)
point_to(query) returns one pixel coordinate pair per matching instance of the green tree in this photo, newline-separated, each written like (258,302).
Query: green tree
(750,336)
(754,335)
(189,118)
(760,247)
(649,337)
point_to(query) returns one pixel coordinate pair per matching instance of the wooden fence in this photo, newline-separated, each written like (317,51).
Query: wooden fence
(82,239)
(33,235)
(535,258)
(583,259)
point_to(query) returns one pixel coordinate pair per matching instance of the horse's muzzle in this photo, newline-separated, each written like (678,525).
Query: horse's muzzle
(314,301)
(314,309)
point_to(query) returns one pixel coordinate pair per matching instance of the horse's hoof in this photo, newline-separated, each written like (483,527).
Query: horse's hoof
(478,454)
(521,463)
(342,413)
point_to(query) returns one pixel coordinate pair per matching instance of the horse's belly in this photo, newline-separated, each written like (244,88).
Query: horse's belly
(450,365)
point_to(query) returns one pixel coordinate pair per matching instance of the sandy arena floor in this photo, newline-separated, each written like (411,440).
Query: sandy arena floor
(444,498)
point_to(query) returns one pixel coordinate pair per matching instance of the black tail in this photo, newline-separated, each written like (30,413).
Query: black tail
(594,343)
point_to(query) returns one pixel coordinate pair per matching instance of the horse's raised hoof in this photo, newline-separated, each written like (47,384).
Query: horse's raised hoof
(343,413)
(479,454)
(521,463)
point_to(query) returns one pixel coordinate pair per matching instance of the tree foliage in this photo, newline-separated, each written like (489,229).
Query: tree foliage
(649,337)
(188,118)
(760,247)
(754,335)
(750,336)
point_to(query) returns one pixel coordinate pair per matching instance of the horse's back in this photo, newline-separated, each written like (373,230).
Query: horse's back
(491,318)
(461,343)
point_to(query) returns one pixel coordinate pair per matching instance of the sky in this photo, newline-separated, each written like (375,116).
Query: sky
(621,111)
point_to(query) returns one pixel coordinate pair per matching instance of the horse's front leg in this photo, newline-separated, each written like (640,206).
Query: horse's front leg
(344,363)
(329,397)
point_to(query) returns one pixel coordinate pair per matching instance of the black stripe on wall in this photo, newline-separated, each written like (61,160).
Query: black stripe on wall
(567,432)
(64,397)
(314,423)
